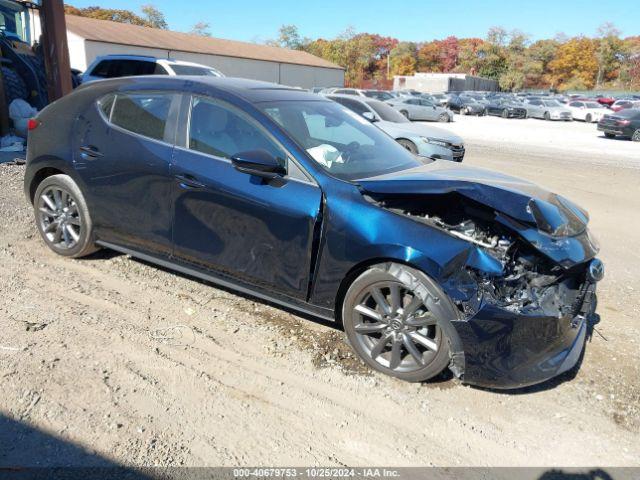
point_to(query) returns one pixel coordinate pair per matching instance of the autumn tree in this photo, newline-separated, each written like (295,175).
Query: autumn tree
(152,16)
(403,59)
(575,66)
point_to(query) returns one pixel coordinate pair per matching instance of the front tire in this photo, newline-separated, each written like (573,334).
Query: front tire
(636,136)
(62,217)
(609,135)
(409,145)
(394,318)
(405,113)
(588,118)
(443,118)
(505,114)
(547,116)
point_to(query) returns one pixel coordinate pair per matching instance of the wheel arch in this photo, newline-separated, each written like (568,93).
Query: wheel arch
(457,360)
(44,168)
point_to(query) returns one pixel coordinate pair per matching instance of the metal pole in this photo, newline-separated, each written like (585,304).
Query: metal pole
(55,49)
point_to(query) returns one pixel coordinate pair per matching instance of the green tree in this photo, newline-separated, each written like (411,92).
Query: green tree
(609,52)
(154,17)
(202,29)
(289,37)
(403,59)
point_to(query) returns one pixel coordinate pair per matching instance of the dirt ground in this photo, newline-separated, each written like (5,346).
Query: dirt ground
(111,359)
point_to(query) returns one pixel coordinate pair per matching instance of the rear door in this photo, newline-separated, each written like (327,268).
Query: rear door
(123,153)
(256,231)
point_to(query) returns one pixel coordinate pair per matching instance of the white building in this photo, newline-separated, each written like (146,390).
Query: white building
(443,82)
(89,38)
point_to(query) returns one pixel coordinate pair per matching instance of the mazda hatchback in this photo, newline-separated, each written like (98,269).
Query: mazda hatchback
(292,198)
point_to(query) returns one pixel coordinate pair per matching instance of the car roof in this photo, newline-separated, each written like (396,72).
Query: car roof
(253,91)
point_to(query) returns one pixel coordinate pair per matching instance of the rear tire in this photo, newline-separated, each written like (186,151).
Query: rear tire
(409,145)
(636,136)
(588,118)
(14,86)
(62,217)
(505,114)
(443,118)
(609,135)
(405,113)
(397,320)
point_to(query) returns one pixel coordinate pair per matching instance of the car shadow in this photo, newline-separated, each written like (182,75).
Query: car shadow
(593,474)
(27,452)
(246,296)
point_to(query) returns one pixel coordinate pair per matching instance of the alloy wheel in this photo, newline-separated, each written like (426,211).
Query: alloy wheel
(59,217)
(395,328)
(636,136)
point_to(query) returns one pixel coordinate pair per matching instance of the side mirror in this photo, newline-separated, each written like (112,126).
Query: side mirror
(258,162)
(370,116)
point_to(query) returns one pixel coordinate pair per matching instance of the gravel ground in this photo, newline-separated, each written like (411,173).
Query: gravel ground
(108,359)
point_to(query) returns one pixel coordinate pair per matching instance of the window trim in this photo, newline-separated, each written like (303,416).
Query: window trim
(170,127)
(183,136)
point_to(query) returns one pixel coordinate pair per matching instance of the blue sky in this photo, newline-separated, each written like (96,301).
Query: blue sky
(412,20)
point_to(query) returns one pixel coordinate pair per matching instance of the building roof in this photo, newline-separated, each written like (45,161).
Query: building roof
(126,34)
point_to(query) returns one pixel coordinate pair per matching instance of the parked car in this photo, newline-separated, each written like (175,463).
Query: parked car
(441,98)
(505,108)
(625,123)
(587,111)
(112,66)
(288,197)
(465,106)
(547,109)
(605,100)
(417,108)
(419,139)
(624,104)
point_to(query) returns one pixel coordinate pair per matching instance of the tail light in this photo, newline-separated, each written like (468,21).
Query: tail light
(624,123)
(32,124)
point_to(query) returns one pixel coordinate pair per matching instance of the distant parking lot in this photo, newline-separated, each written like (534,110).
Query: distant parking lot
(546,137)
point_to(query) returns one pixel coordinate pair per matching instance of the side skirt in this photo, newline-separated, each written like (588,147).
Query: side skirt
(287,302)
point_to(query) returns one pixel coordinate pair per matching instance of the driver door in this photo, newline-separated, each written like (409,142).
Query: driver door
(255,230)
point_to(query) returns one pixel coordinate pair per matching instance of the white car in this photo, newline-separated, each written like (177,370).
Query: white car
(590,112)
(111,66)
(418,138)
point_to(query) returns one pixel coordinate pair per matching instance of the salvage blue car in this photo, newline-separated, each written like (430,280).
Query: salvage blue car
(291,198)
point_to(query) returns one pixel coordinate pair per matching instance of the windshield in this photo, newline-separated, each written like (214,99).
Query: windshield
(13,20)
(387,113)
(593,105)
(384,96)
(340,141)
(192,70)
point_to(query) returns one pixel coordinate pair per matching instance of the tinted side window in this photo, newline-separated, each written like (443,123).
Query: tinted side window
(142,113)
(128,68)
(102,69)
(218,129)
(352,105)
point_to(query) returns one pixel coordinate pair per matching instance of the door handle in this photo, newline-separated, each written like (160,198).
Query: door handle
(189,181)
(90,151)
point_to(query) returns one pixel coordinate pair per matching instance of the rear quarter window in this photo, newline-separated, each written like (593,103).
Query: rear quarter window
(142,113)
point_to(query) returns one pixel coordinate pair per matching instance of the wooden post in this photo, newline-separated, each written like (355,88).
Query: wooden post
(55,49)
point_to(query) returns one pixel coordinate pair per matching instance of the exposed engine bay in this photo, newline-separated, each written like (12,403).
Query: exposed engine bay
(528,282)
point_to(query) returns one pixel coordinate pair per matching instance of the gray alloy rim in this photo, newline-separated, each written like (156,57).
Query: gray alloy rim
(59,218)
(395,328)
(636,136)
(444,117)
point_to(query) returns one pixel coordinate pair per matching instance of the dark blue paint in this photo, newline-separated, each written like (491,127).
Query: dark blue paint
(301,241)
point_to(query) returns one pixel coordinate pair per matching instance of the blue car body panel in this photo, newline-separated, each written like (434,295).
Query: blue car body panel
(300,243)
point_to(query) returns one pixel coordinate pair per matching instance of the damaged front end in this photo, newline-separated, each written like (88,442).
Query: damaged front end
(524,287)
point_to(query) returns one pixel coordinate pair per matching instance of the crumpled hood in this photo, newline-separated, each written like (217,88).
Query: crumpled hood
(514,197)
(421,130)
